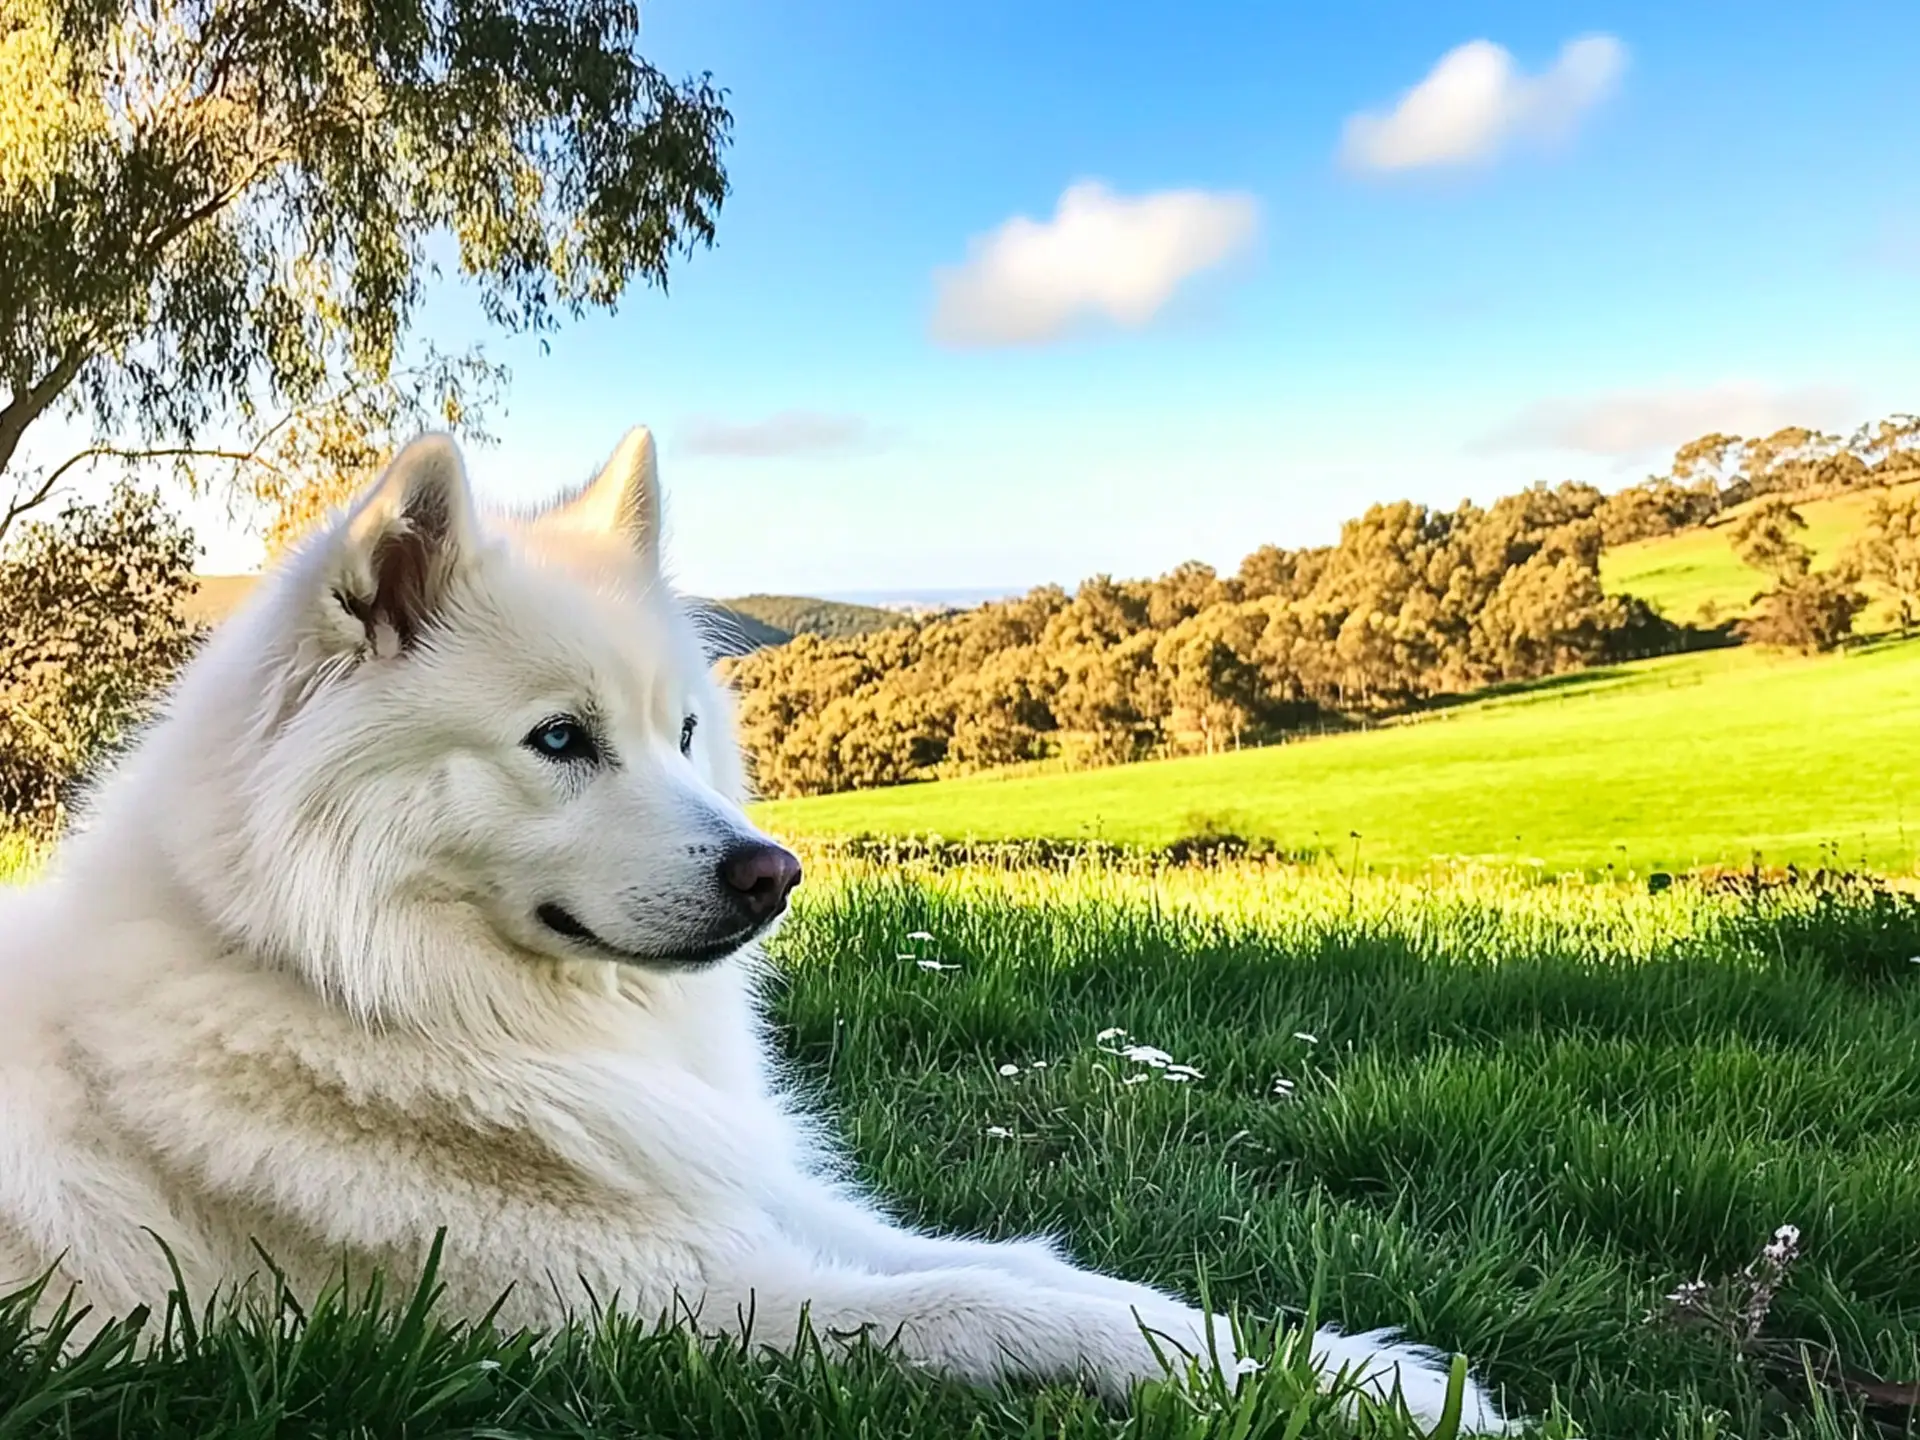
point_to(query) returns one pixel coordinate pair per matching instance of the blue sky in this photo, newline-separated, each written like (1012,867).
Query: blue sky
(1553,263)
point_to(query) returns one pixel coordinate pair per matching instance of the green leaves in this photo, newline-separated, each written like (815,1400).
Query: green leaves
(90,628)
(214,208)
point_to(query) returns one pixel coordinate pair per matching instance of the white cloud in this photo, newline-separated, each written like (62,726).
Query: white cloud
(1102,257)
(1475,102)
(790,433)
(1630,424)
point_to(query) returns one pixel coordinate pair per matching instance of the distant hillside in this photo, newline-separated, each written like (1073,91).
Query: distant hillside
(933,601)
(778,618)
(1694,577)
(747,623)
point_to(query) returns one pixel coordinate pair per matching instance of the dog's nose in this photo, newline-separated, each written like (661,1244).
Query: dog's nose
(761,876)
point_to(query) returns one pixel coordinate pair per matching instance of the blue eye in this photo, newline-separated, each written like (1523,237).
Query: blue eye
(563,738)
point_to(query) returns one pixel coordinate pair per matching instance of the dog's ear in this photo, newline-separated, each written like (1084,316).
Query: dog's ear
(623,499)
(401,545)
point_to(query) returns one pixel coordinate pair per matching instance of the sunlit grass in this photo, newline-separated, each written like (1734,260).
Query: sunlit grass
(1695,576)
(1713,758)
(1506,1114)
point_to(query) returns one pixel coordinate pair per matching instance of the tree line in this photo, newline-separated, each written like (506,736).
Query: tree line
(1411,604)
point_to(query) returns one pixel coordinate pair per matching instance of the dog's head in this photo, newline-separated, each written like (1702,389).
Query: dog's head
(502,734)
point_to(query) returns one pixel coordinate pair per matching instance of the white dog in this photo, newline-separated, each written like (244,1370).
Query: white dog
(430,903)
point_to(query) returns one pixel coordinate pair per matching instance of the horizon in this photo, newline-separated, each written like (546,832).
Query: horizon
(1003,299)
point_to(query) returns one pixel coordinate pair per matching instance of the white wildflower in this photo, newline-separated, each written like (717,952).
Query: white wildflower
(1038,1065)
(1147,1055)
(1182,1073)
(999,1132)
(1112,1032)
(1283,1087)
(1136,1080)
(1009,1069)
(1309,1039)
(920,935)
(931,964)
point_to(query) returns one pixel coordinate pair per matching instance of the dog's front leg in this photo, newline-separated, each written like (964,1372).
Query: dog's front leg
(837,1221)
(970,1321)
(840,1223)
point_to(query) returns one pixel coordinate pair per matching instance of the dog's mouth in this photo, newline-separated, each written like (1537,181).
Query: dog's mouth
(563,922)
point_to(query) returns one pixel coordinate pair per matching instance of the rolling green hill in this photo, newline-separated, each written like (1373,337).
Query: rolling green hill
(744,624)
(1694,577)
(1673,763)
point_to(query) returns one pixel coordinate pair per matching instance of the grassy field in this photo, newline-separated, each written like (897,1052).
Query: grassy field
(1694,577)
(1508,1116)
(1690,760)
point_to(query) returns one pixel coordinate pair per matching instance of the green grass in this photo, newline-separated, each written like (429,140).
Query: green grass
(1691,760)
(1520,1115)
(1685,574)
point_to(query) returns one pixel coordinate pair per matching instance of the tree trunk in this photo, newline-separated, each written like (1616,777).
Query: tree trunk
(23,408)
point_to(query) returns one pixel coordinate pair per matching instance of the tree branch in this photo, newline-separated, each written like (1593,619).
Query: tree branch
(28,406)
(255,454)
(41,492)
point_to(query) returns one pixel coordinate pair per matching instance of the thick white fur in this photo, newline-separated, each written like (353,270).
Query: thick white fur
(284,985)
